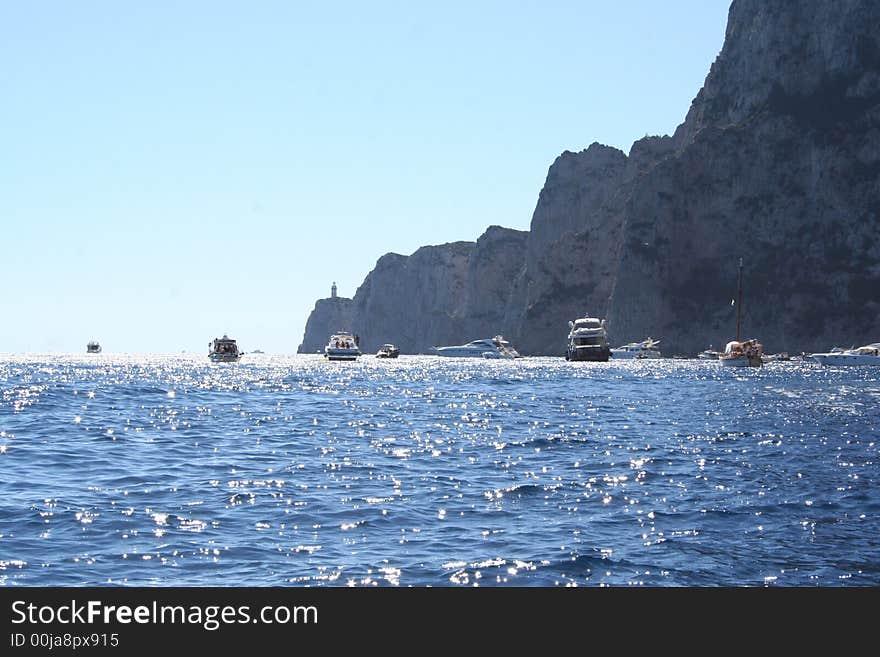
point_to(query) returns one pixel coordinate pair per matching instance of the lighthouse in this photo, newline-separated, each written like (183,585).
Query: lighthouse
(333,290)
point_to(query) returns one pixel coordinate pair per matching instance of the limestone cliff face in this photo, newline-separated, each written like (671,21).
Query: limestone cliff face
(439,295)
(329,316)
(412,301)
(777,162)
(575,240)
(495,263)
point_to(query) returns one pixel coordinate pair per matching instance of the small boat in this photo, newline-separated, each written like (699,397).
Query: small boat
(342,346)
(746,353)
(867,355)
(587,340)
(709,354)
(223,350)
(496,347)
(739,353)
(93,347)
(644,349)
(388,351)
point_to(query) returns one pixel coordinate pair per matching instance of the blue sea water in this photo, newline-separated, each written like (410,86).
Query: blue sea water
(289,470)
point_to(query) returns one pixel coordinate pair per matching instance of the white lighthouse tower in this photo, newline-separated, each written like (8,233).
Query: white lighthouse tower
(333,290)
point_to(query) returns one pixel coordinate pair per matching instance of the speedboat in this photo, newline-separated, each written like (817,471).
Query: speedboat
(223,350)
(742,354)
(587,340)
(388,351)
(93,347)
(709,354)
(644,349)
(342,346)
(496,347)
(867,355)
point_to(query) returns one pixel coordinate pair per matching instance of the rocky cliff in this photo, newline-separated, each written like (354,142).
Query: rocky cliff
(329,316)
(777,162)
(439,295)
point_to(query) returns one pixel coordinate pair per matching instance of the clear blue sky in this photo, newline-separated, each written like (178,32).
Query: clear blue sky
(174,170)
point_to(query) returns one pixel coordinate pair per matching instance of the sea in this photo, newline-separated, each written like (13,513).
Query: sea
(170,470)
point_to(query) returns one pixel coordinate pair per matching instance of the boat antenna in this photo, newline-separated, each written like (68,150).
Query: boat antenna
(739,303)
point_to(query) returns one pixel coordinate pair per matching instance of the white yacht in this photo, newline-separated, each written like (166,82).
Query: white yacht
(223,350)
(867,355)
(587,340)
(342,346)
(709,354)
(644,349)
(496,347)
(388,351)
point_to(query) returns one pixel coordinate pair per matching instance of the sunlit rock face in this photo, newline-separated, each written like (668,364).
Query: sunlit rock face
(777,162)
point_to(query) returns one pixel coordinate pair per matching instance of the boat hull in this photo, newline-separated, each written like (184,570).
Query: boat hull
(341,354)
(632,355)
(587,354)
(224,358)
(462,353)
(741,361)
(845,359)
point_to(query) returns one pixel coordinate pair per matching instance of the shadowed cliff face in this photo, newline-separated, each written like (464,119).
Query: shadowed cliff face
(329,316)
(412,301)
(439,295)
(777,162)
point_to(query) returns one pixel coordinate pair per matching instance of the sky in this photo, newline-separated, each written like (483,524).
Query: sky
(173,171)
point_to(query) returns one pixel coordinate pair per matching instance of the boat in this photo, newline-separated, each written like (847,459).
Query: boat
(93,347)
(388,351)
(342,346)
(866,355)
(223,350)
(496,347)
(587,340)
(644,349)
(709,354)
(741,353)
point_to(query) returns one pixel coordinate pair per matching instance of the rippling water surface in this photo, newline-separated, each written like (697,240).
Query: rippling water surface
(170,470)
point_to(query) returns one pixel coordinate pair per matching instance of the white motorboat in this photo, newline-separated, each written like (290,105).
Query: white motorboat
(738,353)
(867,355)
(587,340)
(223,350)
(388,351)
(342,346)
(709,354)
(644,349)
(93,347)
(496,347)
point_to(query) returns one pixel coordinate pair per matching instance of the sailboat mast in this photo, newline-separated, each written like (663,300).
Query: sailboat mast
(739,303)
